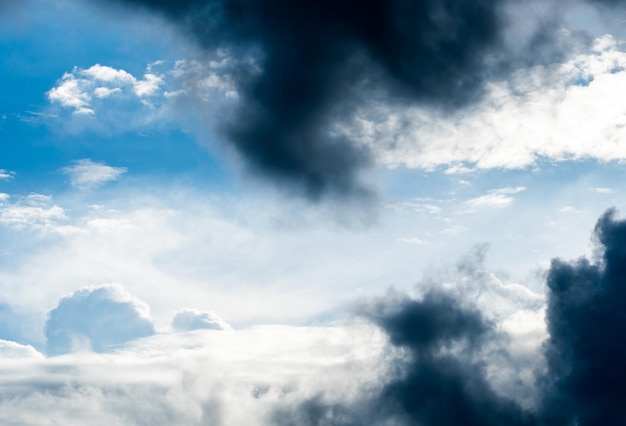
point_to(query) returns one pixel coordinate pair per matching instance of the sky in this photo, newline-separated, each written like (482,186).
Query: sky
(236,212)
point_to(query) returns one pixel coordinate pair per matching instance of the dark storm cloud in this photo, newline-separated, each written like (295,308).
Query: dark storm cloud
(586,318)
(318,59)
(440,381)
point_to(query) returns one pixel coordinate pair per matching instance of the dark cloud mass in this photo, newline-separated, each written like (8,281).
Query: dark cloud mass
(319,59)
(586,319)
(442,380)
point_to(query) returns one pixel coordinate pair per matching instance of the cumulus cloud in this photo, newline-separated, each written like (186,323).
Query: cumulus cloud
(586,379)
(98,319)
(86,174)
(192,319)
(10,349)
(77,89)
(435,358)
(109,100)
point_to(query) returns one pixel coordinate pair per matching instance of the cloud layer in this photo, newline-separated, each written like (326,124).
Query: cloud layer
(429,359)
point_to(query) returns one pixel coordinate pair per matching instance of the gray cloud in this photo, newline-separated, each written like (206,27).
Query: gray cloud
(586,379)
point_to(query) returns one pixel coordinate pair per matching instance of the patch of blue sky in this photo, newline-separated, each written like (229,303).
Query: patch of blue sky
(41,44)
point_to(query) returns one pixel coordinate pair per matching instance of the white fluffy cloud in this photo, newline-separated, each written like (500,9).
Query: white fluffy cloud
(98,319)
(86,174)
(13,350)
(192,319)
(78,89)
(111,100)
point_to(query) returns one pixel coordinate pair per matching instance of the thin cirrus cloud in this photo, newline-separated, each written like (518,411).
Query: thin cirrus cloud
(87,174)
(502,197)
(6,174)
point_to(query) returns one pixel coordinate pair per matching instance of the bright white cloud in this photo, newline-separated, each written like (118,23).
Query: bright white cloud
(107,75)
(196,378)
(561,111)
(149,86)
(98,319)
(86,174)
(192,319)
(70,93)
(495,198)
(9,349)
(80,89)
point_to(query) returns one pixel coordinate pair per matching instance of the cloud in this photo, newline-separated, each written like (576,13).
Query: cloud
(495,198)
(299,81)
(84,90)
(192,319)
(194,378)
(6,174)
(86,174)
(98,319)
(32,211)
(603,190)
(439,379)
(560,111)
(10,349)
(441,357)
(585,317)
(442,376)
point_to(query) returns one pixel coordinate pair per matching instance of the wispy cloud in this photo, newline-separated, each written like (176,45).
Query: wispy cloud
(495,198)
(86,174)
(33,211)
(6,174)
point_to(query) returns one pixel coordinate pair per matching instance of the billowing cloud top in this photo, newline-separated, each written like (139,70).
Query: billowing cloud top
(98,319)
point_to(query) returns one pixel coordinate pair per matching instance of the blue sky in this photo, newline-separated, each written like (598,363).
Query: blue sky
(125,201)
